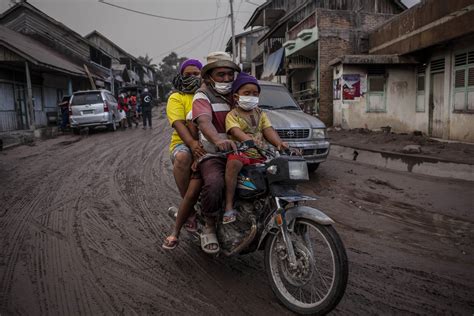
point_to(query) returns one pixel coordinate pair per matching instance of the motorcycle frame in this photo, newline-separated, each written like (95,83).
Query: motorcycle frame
(289,216)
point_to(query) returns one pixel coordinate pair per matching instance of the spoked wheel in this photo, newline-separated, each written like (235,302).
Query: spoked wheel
(318,281)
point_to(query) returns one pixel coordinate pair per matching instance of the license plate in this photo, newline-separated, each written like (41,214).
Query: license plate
(87,111)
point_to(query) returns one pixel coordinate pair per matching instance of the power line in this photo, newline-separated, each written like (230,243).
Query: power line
(184,52)
(225,31)
(160,16)
(248,1)
(205,33)
(212,36)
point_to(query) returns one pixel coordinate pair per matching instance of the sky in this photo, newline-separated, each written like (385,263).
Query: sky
(139,34)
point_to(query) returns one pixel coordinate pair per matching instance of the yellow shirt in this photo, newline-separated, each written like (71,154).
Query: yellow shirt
(254,129)
(178,106)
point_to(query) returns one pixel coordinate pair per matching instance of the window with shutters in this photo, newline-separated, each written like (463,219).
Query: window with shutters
(420,88)
(463,81)
(376,86)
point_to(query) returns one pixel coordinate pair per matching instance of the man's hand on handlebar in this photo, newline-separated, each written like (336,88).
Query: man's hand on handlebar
(226,145)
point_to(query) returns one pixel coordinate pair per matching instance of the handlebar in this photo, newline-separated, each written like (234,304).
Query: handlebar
(249,144)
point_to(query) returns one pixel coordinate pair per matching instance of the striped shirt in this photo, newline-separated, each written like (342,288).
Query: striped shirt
(206,102)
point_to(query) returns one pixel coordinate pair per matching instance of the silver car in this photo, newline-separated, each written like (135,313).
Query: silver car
(298,129)
(93,108)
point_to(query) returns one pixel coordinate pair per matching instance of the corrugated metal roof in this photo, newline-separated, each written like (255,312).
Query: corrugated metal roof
(37,53)
(28,6)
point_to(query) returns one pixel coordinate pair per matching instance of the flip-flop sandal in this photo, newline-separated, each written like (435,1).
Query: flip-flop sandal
(229,217)
(170,243)
(209,239)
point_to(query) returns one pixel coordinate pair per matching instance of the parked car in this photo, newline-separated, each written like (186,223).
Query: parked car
(298,129)
(93,108)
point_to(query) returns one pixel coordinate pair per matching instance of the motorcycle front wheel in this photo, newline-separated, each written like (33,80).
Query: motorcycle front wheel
(317,282)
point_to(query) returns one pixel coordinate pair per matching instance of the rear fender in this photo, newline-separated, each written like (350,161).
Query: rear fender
(290,215)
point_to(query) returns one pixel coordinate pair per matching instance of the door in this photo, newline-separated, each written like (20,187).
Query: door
(436,105)
(21,107)
(436,101)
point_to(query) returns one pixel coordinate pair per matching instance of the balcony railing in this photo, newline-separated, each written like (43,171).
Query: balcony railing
(305,95)
(273,44)
(300,62)
(307,23)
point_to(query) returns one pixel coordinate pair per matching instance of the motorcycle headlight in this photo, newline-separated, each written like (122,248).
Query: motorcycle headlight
(298,170)
(319,133)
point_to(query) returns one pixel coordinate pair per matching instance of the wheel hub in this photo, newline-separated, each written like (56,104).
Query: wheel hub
(302,272)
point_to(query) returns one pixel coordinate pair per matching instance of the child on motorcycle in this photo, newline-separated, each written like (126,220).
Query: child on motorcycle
(245,122)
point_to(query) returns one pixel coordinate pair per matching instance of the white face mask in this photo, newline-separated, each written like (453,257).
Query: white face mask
(247,102)
(223,87)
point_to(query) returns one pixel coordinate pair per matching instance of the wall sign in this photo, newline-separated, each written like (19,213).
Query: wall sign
(351,87)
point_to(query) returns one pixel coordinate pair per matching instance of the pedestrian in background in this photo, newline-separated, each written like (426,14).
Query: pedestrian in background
(146,104)
(123,109)
(64,106)
(133,106)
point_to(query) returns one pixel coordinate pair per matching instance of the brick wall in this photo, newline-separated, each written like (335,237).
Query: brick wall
(340,33)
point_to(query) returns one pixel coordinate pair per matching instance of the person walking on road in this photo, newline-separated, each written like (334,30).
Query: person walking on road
(146,105)
(123,109)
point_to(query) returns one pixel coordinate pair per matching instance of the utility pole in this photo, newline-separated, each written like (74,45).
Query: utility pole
(234,49)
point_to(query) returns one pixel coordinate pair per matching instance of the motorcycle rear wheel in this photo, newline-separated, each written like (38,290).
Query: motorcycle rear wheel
(318,282)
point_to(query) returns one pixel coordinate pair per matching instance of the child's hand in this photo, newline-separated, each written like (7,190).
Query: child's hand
(197,149)
(283,146)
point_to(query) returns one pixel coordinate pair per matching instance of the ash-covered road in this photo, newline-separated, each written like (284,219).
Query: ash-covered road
(82,220)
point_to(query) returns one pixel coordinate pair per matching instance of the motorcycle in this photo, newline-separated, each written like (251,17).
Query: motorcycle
(305,259)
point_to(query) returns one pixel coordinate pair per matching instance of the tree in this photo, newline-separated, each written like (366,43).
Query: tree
(147,61)
(168,69)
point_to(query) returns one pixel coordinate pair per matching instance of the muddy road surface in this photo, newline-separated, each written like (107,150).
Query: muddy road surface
(82,219)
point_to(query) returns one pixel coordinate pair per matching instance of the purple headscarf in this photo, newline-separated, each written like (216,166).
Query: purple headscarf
(190,62)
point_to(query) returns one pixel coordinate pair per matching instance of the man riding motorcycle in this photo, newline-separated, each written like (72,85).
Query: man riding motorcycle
(211,104)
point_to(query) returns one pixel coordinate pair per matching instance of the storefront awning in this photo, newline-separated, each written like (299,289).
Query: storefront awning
(273,64)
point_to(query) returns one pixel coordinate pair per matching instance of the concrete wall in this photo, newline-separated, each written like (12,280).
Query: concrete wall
(400,101)
(401,113)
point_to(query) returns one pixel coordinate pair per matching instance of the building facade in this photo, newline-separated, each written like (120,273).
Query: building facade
(419,75)
(42,60)
(311,33)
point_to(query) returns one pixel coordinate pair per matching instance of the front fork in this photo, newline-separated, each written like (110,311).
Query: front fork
(280,220)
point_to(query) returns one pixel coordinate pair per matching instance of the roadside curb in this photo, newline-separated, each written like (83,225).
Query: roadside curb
(418,164)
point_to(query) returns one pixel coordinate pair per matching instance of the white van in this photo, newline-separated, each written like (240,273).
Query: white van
(93,108)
